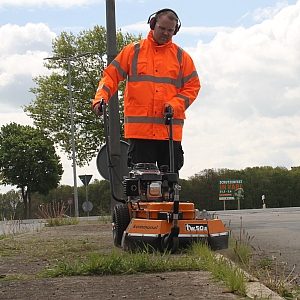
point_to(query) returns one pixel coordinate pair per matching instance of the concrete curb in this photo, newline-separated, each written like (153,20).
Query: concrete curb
(255,289)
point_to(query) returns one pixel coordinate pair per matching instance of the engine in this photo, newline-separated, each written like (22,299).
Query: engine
(147,183)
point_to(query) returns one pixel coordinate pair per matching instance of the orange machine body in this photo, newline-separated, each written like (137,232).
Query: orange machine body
(150,221)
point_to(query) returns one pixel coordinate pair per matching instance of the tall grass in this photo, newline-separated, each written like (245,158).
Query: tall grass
(222,269)
(198,257)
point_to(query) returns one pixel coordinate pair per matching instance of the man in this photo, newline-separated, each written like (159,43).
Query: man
(159,75)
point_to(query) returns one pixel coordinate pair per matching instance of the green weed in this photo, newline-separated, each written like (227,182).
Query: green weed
(198,257)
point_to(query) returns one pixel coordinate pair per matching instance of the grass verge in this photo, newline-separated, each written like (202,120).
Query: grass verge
(198,257)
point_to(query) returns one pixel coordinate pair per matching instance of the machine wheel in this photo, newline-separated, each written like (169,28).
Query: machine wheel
(121,219)
(169,244)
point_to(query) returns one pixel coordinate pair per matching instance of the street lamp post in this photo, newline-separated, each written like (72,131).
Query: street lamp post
(68,59)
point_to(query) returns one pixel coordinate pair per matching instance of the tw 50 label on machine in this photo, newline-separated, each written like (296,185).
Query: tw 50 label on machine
(196,227)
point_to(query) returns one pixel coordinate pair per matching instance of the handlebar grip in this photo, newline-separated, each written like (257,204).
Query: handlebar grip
(169,112)
(102,102)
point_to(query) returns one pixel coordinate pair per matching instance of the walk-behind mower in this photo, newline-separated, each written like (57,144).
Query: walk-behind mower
(152,216)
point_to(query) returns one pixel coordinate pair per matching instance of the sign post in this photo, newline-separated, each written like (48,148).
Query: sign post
(86,180)
(70,202)
(263,198)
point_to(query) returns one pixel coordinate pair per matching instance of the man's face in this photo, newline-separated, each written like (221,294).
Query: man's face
(164,29)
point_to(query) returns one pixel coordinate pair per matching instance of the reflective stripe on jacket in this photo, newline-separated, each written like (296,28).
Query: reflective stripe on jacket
(156,75)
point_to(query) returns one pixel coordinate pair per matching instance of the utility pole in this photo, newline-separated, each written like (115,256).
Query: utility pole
(114,117)
(68,59)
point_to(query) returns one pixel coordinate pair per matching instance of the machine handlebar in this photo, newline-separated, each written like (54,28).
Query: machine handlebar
(168,114)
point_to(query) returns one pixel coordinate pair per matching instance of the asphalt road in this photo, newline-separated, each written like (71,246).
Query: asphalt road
(274,231)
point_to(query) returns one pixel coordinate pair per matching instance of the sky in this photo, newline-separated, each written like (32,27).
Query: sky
(246,54)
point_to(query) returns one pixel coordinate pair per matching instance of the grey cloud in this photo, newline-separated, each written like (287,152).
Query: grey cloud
(16,94)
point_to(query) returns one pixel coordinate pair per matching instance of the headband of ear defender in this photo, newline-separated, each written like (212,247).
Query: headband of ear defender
(152,19)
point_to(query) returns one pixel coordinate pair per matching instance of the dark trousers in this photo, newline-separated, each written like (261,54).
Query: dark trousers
(153,151)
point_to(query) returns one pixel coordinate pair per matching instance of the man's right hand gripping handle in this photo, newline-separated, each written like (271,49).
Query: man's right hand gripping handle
(98,108)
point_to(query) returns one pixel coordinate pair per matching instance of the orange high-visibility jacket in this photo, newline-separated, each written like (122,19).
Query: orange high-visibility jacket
(156,75)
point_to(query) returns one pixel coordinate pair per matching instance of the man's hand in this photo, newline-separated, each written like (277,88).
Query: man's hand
(97,109)
(168,109)
(168,113)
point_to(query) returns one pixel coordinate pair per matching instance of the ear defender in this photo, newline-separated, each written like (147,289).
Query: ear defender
(152,19)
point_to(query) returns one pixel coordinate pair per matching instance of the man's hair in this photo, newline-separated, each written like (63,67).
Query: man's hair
(170,14)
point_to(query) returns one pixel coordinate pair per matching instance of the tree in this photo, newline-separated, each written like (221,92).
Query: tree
(98,194)
(59,195)
(50,109)
(205,189)
(28,161)
(9,203)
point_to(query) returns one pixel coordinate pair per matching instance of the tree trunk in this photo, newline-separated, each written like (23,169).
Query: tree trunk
(29,202)
(24,196)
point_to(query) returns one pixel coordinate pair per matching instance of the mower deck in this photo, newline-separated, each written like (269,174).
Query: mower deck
(150,222)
